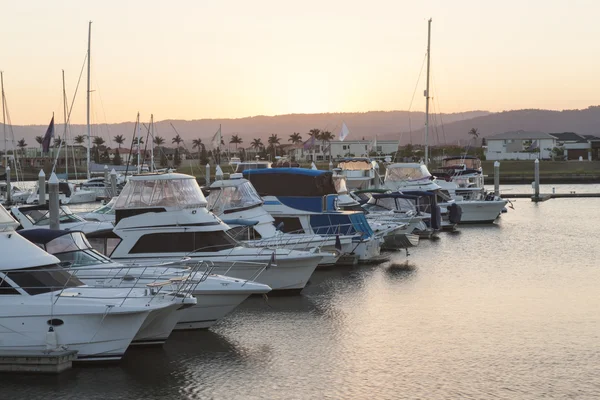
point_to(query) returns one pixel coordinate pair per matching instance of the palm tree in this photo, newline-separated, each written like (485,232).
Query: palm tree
(136,139)
(21,144)
(236,140)
(295,138)
(79,139)
(119,140)
(473,132)
(57,141)
(177,139)
(159,141)
(197,144)
(273,143)
(326,137)
(257,144)
(39,140)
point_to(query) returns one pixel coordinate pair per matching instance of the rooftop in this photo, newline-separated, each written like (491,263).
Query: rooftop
(520,135)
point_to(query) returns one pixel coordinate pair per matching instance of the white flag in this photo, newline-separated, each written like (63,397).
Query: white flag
(216,139)
(373,144)
(345,132)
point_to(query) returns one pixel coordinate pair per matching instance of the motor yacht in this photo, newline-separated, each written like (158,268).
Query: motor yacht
(238,204)
(45,307)
(68,193)
(360,173)
(38,216)
(163,217)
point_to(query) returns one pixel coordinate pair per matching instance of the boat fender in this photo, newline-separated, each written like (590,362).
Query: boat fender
(436,217)
(51,339)
(454,213)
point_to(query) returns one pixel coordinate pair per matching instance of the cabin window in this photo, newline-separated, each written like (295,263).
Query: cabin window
(43,279)
(5,288)
(184,242)
(290,224)
(244,233)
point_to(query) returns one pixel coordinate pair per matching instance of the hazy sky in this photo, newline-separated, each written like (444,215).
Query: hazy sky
(218,59)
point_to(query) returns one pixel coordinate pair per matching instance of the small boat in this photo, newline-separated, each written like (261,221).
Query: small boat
(38,216)
(360,173)
(68,193)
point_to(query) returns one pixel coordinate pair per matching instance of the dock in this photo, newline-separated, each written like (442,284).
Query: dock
(544,197)
(34,361)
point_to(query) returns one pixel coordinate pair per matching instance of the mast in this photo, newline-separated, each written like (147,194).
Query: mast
(427,93)
(139,166)
(152,144)
(89,137)
(65,131)
(4,119)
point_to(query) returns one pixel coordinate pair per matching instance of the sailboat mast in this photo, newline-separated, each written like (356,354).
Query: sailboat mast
(65,131)
(427,93)
(139,130)
(89,135)
(152,143)
(4,118)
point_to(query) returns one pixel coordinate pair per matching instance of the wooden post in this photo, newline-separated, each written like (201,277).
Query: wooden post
(497,178)
(54,208)
(113,182)
(8,185)
(536,183)
(207,175)
(42,187)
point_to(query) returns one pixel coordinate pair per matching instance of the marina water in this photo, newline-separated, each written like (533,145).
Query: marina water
(508,311)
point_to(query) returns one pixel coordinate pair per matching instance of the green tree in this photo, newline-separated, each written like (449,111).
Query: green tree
(119,140)
(159,141)
(474,134)
(79,139)
(57,142)
(295,138)
(98,142)
(177,140)
(235,139)
(117,158)
(140,139)
(257,144)
(164,162)
(21,144)
(105,157)
(326,137)
(273,143)
(176,158)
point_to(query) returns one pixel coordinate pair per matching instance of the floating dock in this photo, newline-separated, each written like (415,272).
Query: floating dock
(36,361)
(544,197)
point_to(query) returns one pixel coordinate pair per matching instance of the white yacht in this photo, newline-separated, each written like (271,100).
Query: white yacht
(43,307)
(236,202)
(216,295)
(30,217)
(407,177)
(68,193)
(306,201)
(163,217)
(360,173)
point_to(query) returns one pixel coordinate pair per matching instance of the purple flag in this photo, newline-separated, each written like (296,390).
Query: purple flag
(48,137)
(310,143)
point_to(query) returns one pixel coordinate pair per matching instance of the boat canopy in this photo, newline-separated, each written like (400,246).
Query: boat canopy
(161,190)
(298,182)
(356,164)
(464,162)
(406,172)
(233,194)
(243,166)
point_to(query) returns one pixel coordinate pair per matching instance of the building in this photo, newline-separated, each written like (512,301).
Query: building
(339,149)
(520,145)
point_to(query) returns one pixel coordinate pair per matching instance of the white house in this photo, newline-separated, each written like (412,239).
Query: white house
(347,148)
(520,145)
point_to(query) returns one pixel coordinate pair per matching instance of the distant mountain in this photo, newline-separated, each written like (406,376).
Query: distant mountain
(403,125)
(585,122)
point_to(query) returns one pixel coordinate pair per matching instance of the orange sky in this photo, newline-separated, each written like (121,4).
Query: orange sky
(195,59)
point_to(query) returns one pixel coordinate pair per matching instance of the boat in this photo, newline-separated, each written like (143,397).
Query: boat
(38,216)
(44,307)
(238,204)
(360,173)
(163,217)
(406,177)
(104,213)
(306,201)
(242,166)
(216,295)
(68,193)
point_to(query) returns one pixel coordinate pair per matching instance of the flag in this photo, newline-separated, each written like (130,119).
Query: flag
(310,143)
(534,145)
(217,139)
(48,137)
(344,133)
(373,145)
(338,243)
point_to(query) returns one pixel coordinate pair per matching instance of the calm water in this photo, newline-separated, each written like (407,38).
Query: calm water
(510,311)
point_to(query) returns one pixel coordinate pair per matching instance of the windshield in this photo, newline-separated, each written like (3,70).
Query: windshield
(244,166)
(42,217)
(402,173)
(233,197)
(105,209)
(43,279)
(180,193)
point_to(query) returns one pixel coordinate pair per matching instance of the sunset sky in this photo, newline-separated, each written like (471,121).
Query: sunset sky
(224,59)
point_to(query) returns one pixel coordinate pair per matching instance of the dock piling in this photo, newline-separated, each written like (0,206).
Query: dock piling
(41,187)
(497,178)
(113,182)
(54,208)
(8,186)
(207,174)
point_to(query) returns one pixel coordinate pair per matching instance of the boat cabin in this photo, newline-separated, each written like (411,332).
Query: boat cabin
(228,196)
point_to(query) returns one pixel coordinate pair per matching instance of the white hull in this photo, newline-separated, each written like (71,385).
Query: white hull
(210,309)
(96,337)
(480,211)
(158,326)
(77,197)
